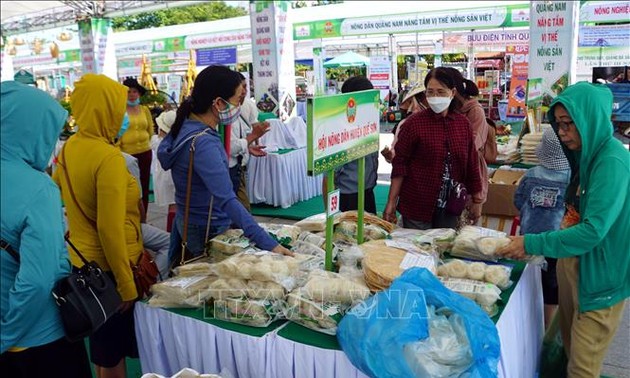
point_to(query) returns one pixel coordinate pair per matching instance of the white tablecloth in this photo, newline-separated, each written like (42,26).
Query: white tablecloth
(169,342)
(281,179)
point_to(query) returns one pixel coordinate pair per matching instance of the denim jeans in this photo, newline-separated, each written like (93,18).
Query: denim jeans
(196,242)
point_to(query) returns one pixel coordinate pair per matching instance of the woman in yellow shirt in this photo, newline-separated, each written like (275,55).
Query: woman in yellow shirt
(137,140)
(101,199)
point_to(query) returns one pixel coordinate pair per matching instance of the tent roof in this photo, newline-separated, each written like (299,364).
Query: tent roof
(349,59)
(10,9)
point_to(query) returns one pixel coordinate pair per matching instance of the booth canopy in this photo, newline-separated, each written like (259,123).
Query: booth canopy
(349,59)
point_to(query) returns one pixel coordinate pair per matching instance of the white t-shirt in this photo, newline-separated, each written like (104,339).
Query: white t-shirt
(240,129)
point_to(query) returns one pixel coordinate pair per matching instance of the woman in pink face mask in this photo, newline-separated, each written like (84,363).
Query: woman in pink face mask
(435,149)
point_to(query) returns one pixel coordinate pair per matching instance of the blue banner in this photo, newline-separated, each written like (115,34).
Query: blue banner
(224,56)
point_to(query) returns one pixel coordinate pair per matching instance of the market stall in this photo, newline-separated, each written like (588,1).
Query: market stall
(171,339)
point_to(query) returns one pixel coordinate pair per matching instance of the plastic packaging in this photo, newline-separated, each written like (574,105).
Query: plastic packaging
(315,239)
(350,255)
(321,317)
(255,313)
(195,269)
(376,333)
(230,242)
(485,294)
(346,231)
(262,266)
(497,274)
(182,287)
(283,233)
(478,243)
(315,223)
(445,353)
(332,287)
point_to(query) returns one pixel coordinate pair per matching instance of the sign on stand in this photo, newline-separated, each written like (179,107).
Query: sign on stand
(340,129)
(333,203)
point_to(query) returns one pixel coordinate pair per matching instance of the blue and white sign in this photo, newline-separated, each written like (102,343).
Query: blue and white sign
(224,56)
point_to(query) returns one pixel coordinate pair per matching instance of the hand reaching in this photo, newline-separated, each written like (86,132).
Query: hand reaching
(256,150)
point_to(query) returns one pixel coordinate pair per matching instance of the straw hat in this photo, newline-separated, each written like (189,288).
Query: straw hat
(165,120)
(133,83)
(412,92)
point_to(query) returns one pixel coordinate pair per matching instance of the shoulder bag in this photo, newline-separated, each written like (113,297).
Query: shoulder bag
(457,193)
(186,256)
(145,271)
(86,298)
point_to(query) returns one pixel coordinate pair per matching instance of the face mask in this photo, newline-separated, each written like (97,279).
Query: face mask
(439,104)
(133,103)
(229,114)
(124,126)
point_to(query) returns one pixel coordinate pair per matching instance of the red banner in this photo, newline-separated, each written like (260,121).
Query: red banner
(518,83)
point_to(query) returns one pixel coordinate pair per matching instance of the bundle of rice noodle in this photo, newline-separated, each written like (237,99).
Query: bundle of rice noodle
(368,218)
(382,264)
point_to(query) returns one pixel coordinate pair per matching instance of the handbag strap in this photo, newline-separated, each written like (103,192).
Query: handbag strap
(191,158)
(64,165)
(7,247)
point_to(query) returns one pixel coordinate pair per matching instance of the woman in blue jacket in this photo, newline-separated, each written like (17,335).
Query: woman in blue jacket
(32,336)
(214,101)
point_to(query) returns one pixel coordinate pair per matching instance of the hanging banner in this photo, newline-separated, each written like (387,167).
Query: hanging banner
(93,34)
(602,46)
(86,44)
(495,17)
(518,82)
(534,92)
(379,73)
(223,56)
(273,65)
(553,45)
(101,27)
(497,40)
(174,87)
(605,11)
(341,128)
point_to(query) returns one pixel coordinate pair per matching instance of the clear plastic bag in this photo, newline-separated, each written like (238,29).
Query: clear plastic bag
(316,223)
(262,266)
(195,269)
(177,288)
(478,243)
(350,255)
(315,239)
(346,231)
(283,233)
(497,274)
(445,353)
(332,287)
(255,313)
(320,317)
(230,242)
(484,294)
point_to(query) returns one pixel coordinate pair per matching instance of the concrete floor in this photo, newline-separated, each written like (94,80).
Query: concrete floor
(617,362)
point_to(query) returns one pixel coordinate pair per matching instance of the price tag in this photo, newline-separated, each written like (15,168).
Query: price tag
(333,202)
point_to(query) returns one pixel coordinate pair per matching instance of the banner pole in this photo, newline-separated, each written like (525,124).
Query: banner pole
(361,199)
(330,186)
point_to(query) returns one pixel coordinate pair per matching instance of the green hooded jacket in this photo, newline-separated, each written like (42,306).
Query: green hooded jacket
(601,239)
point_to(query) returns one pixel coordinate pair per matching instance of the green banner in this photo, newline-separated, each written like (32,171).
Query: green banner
(457,19)
(341,128)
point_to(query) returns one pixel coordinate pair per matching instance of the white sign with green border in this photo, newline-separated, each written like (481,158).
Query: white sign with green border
(341,128)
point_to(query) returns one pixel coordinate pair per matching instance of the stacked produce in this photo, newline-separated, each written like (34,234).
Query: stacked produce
(323,300)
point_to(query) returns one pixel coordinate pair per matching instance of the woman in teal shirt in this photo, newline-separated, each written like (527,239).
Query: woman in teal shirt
(32,342)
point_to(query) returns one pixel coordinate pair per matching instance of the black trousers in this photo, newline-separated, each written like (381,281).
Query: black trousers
(59,359)
(350,201)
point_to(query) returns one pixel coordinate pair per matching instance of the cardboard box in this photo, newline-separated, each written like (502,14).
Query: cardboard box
(501,189)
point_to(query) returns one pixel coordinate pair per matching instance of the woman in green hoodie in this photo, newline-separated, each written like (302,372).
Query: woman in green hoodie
(594,255)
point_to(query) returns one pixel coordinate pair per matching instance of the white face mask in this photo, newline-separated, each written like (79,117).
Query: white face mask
(439,104)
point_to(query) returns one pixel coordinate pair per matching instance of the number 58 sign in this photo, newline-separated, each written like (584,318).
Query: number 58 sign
(333,203)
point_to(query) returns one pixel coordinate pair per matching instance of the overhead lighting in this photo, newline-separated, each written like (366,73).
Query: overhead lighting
(18,41)
(12,50)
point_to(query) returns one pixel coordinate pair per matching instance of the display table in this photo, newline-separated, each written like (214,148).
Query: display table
(169,340)
(280,179)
